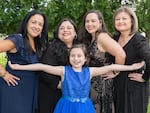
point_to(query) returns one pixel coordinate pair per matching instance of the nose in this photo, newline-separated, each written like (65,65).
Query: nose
(37,26)
(76,57)
(121,20)
(89,23)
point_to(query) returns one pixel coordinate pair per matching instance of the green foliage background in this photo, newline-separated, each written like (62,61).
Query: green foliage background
(13,11)
(3,59)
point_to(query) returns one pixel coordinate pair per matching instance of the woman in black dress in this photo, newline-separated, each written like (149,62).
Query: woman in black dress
(65,35)
(131,88)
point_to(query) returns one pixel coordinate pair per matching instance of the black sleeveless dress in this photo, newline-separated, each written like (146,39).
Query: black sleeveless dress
(101,90)
(132,96)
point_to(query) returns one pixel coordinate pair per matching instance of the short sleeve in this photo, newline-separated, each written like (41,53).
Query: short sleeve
(17,40)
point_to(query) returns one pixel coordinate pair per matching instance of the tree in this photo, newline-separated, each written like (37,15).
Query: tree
(13,11)
(143,11)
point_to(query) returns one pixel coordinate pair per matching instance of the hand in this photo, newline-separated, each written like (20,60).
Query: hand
(11,79)
(109,75)
(138,65)
(59,85)
(13,66)
(136,77)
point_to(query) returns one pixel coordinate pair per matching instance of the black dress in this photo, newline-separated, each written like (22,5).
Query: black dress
(101,90)
(131,96)
(56,54)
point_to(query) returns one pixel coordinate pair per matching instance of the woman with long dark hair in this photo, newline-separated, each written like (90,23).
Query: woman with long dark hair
(18,89)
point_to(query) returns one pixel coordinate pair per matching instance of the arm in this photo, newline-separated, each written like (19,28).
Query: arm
(8,78)
(144,51)
(10,45)
(114,49)
(95,71)
(141,44)
(56,70)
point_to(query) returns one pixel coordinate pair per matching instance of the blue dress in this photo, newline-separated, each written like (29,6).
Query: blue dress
(23,97)
(75,89)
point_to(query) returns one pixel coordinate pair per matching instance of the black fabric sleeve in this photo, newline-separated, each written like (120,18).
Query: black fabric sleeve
(56,55)
(49,79)
(143,49)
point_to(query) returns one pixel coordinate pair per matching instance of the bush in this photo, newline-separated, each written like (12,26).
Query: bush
(3,59)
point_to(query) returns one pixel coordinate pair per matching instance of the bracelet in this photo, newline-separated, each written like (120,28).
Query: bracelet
(3,75)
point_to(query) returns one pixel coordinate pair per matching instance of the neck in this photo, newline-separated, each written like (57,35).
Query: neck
(77,69)
(124,38)
(125,35)
(69,45)
(31,41)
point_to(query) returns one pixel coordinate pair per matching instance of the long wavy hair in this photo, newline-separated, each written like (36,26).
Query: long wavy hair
(86,37)
(40,41)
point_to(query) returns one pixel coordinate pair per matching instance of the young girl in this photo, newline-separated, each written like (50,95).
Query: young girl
(76,79)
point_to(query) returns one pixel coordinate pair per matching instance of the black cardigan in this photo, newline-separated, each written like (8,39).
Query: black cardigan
(57,55)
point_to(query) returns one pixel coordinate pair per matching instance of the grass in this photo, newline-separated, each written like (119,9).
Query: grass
(148,111)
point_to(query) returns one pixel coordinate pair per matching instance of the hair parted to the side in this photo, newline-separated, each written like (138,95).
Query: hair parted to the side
(84,49)
(83,33)
(132,14)
(40,41)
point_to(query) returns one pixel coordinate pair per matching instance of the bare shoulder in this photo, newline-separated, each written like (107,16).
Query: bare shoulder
(104,34)
(104,37)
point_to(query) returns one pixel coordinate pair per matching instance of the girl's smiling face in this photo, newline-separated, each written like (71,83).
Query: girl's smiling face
(77,58)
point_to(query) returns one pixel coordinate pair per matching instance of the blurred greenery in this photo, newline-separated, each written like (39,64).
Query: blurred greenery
(13,11)
(3,59)
(148,111)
